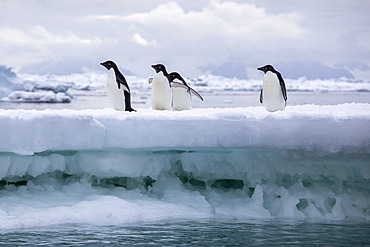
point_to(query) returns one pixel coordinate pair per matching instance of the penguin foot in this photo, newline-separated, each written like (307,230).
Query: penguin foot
(130,109)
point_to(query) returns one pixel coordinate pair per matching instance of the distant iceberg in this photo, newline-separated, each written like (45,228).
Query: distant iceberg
(53,86)
(9,81)
(208,83)
(38,97)
(15,89)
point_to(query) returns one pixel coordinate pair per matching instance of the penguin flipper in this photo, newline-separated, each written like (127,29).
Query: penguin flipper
(178,84)
(196,93)
(121,81)
(150,80)
(282,85)
(123,87)
(283,89)
(261,97)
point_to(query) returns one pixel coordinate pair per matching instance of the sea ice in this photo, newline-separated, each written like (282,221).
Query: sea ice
(340,128)
(104,167)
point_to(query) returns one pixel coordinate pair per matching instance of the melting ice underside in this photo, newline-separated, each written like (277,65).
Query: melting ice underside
(107,167)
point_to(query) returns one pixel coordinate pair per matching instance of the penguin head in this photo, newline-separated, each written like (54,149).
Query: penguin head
(174,75)
(109,64)
(159,67)
(267,68)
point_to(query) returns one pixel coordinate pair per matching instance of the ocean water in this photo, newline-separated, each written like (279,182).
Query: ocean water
(309,198)
(196,233)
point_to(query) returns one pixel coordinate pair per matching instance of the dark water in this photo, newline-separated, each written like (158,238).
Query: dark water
(197,233)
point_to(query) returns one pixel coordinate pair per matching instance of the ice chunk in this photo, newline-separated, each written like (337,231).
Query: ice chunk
(38,97)
(54,86)
(9,81)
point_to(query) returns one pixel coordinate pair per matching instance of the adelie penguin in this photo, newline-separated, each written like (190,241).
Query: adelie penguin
(273,94)
(118,91)
(161,89)
(181,92)
(170,90)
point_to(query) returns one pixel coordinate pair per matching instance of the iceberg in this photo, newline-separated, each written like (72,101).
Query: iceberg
(9,81)
(205,83)
(104,167)
(37,97)
(19,90)
(54,86)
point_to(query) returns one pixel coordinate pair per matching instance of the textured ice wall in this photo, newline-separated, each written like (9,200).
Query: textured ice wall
(129,186)
(104,167)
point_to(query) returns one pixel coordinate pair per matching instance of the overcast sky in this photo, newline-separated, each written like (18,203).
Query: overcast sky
(313,38)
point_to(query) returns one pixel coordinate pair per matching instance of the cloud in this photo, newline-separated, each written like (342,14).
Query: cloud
(13,35)
(37,45)
(136,37)
(207,37)
(192,37)
(38,35)
(221,19)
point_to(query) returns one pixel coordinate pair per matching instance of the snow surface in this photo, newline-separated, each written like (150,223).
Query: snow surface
(104,167)
(327,128)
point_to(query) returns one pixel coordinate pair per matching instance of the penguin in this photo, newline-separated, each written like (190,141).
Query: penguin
(180,90)
(161,89)
(273,94)
(181,97)
(120,98)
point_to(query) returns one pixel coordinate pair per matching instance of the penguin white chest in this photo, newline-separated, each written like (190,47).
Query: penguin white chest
(272,94)
(161,92)
(181,99)
(115,95)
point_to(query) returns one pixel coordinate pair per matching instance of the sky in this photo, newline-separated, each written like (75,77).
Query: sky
(310,38)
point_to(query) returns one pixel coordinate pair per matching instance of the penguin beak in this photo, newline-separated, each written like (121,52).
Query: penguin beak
(260,68)
(152,65)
